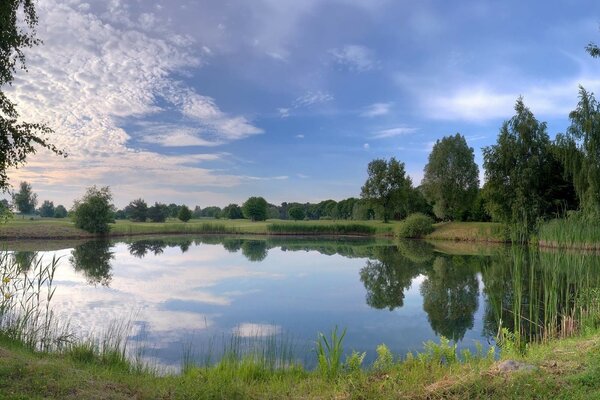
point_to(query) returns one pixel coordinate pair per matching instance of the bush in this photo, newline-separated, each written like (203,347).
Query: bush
(185,214)
(415,225)
(255,208)
(94,211)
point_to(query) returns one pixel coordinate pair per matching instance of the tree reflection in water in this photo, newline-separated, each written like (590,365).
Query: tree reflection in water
(93,259)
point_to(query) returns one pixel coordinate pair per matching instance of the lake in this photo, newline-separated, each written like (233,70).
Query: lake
(185,297)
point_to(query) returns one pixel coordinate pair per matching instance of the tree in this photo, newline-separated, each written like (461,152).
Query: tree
(25,200)
(232,211)
(94,211)
(519,172)
(138,210)
(579,150)
(387,187)
(197,213)
(255,209)
(211,212)
(18,139)
(158,212)
(185,214)
(296,213)
(47,209)
(60,211)
(451,178)
(173,210)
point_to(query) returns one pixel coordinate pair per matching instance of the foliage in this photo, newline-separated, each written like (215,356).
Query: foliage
(255,209)
(387,186)
(415,225)
(329,353)
(185,214)
(520,170)
(18,139)
(138,210)
(451,178)
(296,213)
(5,212)
(314,229)
(232,211)
(173,210)
(60,211)
(25,200)
(579,149)
(158,212)
(94,211)
(211,212)
(385,359)
(47,209)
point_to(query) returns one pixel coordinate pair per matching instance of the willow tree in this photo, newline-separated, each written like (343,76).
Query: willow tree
(580,150)
(451,178)
(18,139)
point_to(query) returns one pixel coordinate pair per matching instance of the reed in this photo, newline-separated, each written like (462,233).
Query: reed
(320,229)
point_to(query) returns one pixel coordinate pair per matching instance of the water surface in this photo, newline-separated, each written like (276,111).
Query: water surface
(182,293)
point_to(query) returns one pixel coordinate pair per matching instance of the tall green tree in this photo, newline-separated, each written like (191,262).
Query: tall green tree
(387,186)
(451,178)
(138,210)
(25,200)
(232,211)
(296,213)
(255,209)
(47,209)
(18,139)
(94,211)
(185,214)
(580,151)
(519,172)
(158,212)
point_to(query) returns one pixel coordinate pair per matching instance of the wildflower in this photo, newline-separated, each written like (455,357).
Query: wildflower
(7,296)
(5,280)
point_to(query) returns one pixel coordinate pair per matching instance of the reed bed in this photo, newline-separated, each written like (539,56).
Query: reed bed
(321,229)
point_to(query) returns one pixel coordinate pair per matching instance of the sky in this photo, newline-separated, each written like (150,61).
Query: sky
(211,102)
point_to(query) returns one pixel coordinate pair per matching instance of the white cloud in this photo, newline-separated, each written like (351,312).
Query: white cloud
(93,74)
(354,57)
(366,146)
(393,132)
(376,110)
(283,112)
(299,136)
(302,176)
(312,98)
(483,102)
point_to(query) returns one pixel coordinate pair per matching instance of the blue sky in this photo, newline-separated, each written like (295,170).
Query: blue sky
(210,102)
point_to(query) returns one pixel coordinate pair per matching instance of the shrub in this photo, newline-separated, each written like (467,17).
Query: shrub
(94,211)
(415,226)
(185,214)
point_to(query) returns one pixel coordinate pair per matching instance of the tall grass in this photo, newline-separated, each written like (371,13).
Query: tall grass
(572,232)
(321,229)
(26,291)
(131,229)
(329,353)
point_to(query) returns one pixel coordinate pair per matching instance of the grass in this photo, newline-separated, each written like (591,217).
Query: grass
(307,228)
(567,369)
(572,233)
(469,232)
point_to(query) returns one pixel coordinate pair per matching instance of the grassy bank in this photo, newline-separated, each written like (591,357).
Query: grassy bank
(568,368)
(64,229)
(469,232)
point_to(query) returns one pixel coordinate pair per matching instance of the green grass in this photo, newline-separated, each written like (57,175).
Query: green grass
(469,232)
(308,228)
(572,233)
(565,369)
